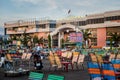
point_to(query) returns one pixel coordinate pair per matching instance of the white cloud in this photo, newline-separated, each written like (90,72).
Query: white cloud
(51,3)
(22,9)
(85,3)
(28,1)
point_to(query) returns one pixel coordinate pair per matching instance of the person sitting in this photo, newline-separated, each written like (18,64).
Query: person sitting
(38,62)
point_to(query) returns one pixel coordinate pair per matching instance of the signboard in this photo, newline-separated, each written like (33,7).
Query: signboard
(18,43)
(76,37)
(14,42)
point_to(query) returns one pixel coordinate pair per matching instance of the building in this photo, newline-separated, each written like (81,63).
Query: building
(99,25)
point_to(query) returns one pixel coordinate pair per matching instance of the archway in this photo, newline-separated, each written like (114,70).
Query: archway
(60,32)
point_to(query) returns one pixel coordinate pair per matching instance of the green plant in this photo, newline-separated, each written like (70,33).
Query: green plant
(114,37)
(25,38)
(35,39)
(49,41)
(41,40)
(86,35)
(62,43)
(14,37)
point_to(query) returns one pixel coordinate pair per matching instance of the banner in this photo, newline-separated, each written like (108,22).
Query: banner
(19,43)
(76,37)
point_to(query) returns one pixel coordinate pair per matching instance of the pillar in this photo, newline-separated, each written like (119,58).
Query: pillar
(59,44)
(51,41)
(101,37)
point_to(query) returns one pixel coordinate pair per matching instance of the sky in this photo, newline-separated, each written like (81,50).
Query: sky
(12,10)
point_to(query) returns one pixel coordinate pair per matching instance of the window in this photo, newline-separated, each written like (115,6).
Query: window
(112,18)
(95,21)
(82,23)
(43,26)
(63,23)
(52,25)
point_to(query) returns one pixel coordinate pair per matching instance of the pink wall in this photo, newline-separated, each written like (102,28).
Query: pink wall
(42,34)
(101,37)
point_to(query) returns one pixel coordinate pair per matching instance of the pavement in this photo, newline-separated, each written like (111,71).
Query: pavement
(76,74)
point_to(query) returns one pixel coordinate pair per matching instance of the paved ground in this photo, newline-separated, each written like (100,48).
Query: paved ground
(70,75)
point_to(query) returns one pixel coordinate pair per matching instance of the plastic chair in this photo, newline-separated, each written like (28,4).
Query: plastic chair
(118,56)
(81,60)
(116,64)
(94,70)
(75,58)
(25,59)
(112,56)
(57,61)
(23,55)
(9,58)
(109,72)
(99,58)
(55,77)
(36,76)
(28,56)
(51,59)
(61,64)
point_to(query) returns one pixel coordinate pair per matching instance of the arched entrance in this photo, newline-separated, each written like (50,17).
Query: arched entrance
(61,32)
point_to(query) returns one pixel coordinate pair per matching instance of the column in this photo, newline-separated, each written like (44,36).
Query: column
(59,45)
(51,41)
(101,37)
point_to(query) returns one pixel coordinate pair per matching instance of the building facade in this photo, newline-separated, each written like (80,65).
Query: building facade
(99,25)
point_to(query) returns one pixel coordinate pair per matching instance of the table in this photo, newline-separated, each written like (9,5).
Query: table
(65,63)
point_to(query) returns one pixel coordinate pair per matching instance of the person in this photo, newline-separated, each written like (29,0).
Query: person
(38,49)
(8,61)
(2,59)
(38,62)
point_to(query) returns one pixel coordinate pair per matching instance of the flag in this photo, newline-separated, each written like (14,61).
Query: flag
(69,11)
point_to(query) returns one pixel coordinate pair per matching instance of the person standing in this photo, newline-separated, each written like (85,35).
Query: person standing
(2,59)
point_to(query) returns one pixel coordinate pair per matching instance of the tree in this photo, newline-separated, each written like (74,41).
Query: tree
(86,36)
(14,37)
(114,37)
(35,40)
(49,41)
(24,38)
(41,40)
(1,41)
(62,42)
(9,41)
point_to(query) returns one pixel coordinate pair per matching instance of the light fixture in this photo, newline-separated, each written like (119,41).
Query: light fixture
(67,31)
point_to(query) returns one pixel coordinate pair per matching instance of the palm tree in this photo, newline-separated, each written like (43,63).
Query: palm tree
(41,40)
(35,40)
(114,37)
(25,38)
(86,36)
